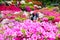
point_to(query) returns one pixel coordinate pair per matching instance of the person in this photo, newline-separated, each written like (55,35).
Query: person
(34,16)
(1,17)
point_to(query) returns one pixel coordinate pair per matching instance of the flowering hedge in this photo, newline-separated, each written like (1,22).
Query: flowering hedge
(10,8)
(28,30)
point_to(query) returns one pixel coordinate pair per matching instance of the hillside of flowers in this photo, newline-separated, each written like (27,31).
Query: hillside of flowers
(27,20)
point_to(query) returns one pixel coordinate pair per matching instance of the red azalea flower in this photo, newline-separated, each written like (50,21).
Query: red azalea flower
(23,16)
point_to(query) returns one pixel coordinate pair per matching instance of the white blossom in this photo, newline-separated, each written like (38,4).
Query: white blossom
(17,12)
(31,12)
(41,15)
(5,21)
(22,2)
(30,2)
(39,6)
(36,6)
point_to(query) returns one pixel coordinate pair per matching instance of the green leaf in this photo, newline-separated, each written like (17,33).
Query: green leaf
(17,18)
(23,5)
(51,18)
(23,31)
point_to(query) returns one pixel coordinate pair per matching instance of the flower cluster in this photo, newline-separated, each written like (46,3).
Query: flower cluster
(28,30)
(11,7)
(49,15)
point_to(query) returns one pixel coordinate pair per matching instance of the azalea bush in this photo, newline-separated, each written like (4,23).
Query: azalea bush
(15,25)
(10,8)
(27,30)
(54,15)
(25,5)
(48,14)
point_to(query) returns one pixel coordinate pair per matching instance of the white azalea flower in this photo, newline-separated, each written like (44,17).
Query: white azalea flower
(25,13)
(39,6)
(22,2)
(30,2)
(31,12)
(2,11)
(5,21)
(41,15)
(16,12)
(10,2)
(57,23)
(36,6)
(17,2)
